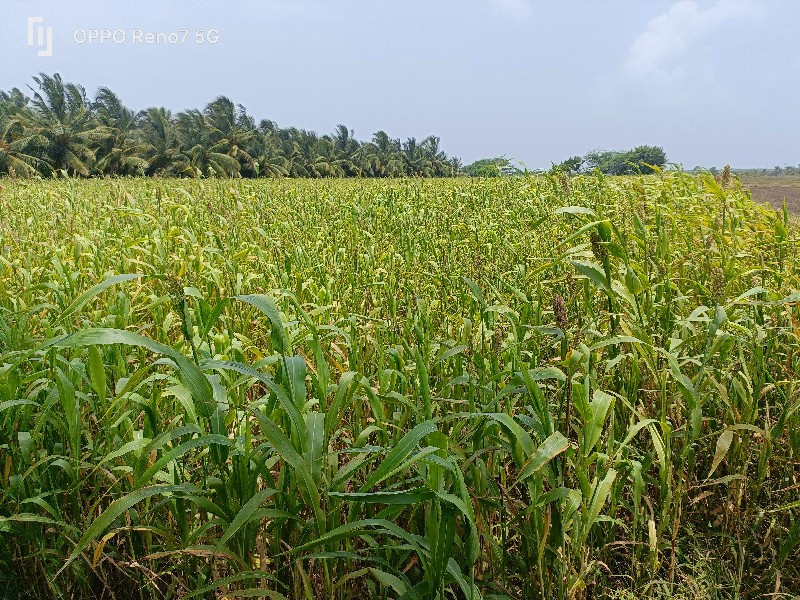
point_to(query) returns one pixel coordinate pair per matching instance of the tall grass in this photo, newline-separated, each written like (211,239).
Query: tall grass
(413,389)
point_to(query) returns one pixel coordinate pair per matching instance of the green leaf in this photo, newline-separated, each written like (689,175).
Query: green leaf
(593,427)
(285,401)
(296,368)
(190,375)
(600,492)
(25,445)
(97,374)
(413,496)
(442,536)
(247,575)
(593,273)
(93,291)
(389,580)
(403,448)
(363,527)
(244,514)
(180,450)
(305,482)
(554,445)
(574,210)
(613,341)
(723,445)
(475,290)
(278,335)
(117,508)
(12,403)
(131,446)
(516,434)
(543,373)
(315,436)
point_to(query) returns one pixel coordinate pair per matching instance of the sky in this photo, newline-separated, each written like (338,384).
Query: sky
(712,81)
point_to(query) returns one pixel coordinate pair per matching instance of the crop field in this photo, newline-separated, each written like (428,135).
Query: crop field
(521,387)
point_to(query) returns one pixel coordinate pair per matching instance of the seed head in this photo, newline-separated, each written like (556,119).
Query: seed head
(717,284)
(571,286)
(726,176)
(497,340)
(560,311)
(176,293)
(564,180)
(598,249)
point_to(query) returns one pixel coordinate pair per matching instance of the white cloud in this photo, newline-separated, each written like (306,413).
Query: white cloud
(663,51)
(513,8)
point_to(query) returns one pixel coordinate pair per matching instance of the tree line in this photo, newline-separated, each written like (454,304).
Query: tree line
(58,130)
(640,159)
(777,171)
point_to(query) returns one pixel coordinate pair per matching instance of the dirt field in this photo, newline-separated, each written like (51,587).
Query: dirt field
(774,190)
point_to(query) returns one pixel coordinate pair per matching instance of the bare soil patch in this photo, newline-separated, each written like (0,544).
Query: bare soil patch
(774,190)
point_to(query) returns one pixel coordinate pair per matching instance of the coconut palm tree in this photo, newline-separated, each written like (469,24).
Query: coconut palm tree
(12,103)
(296,148)
(416,161)
(381,157)
(61,120)
(271,161)
(206,154)
(347,150)
(19,152)
(438,164)
(326,160)
(160,144)
(59,130)
(120,153)
(233,131)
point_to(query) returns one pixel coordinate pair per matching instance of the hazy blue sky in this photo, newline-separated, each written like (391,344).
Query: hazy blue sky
(713,81)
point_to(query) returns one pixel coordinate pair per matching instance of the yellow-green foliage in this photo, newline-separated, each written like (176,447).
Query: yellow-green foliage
(527,387)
